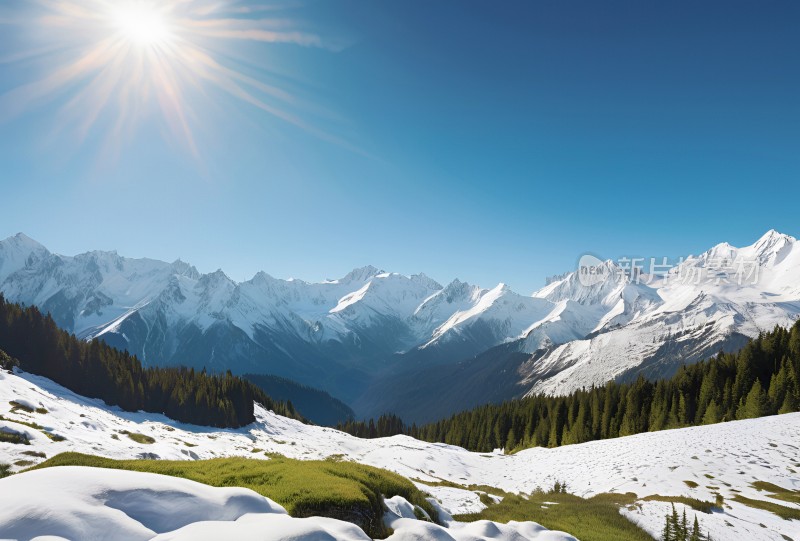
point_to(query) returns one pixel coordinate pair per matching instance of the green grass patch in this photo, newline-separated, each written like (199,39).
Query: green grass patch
(13,437)
(779,493)
(691,484)
(16,406)
(698,505)
(786,513)
(341,490)
(5,470)
(441,483)
(588,519)
(35,426)
(473,488)
(485,498)
(139,438)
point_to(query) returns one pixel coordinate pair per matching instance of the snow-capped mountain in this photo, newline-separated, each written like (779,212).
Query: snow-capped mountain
(359,335)
(652,324)
(336,334)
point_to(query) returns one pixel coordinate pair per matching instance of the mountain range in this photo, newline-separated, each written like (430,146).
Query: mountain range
(386,342)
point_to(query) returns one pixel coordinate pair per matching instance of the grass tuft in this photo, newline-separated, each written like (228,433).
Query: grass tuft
(694,503)
(16,406)
(786,513)
(139,438)
(593,519)
(14,437)
(777,492)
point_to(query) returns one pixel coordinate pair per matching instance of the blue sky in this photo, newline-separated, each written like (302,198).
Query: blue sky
(481,140)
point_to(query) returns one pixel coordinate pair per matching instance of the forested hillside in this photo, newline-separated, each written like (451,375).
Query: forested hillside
(761,379)
(96,370)
(315,405)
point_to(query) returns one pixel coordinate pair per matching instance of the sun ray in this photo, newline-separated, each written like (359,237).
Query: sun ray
(116,61)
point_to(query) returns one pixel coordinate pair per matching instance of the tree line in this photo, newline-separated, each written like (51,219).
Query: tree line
(761,379)
(96,370)
(386,425)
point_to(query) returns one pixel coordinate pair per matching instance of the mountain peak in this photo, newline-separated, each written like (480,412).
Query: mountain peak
(21,240)
(183,268)
(426,281)
(772,237)
(18,252)
(361,274)
(262,277)
(458,290)
(772,247)
(214,278)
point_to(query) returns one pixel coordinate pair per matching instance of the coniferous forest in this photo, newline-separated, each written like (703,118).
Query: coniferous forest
(386,425)
(96,370)
(761,379)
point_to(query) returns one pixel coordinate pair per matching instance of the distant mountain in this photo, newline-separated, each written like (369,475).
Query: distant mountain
(695,310)
(372,337)
(317,406)
(337,335)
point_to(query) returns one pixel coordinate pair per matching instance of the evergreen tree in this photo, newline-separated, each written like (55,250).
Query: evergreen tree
(676,525)
(695,535)
(684,527)
(667,534)
(756,403)
(712,414)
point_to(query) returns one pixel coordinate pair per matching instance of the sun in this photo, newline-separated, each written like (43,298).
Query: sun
(142,24)
(118,65)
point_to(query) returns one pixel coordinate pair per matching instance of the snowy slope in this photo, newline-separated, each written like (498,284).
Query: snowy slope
(723,458)
(79,503)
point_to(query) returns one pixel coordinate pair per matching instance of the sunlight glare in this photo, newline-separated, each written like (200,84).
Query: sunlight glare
(115,63)
(142,24)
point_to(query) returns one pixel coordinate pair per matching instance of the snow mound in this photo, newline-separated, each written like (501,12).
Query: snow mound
(400,518)
(78,503)
(262,527)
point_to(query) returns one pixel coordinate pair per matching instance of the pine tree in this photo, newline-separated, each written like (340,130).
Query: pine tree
(755,405)
(667,534)
(684,527)
(695,535)
(712,414)
(676,525)
(789,404)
